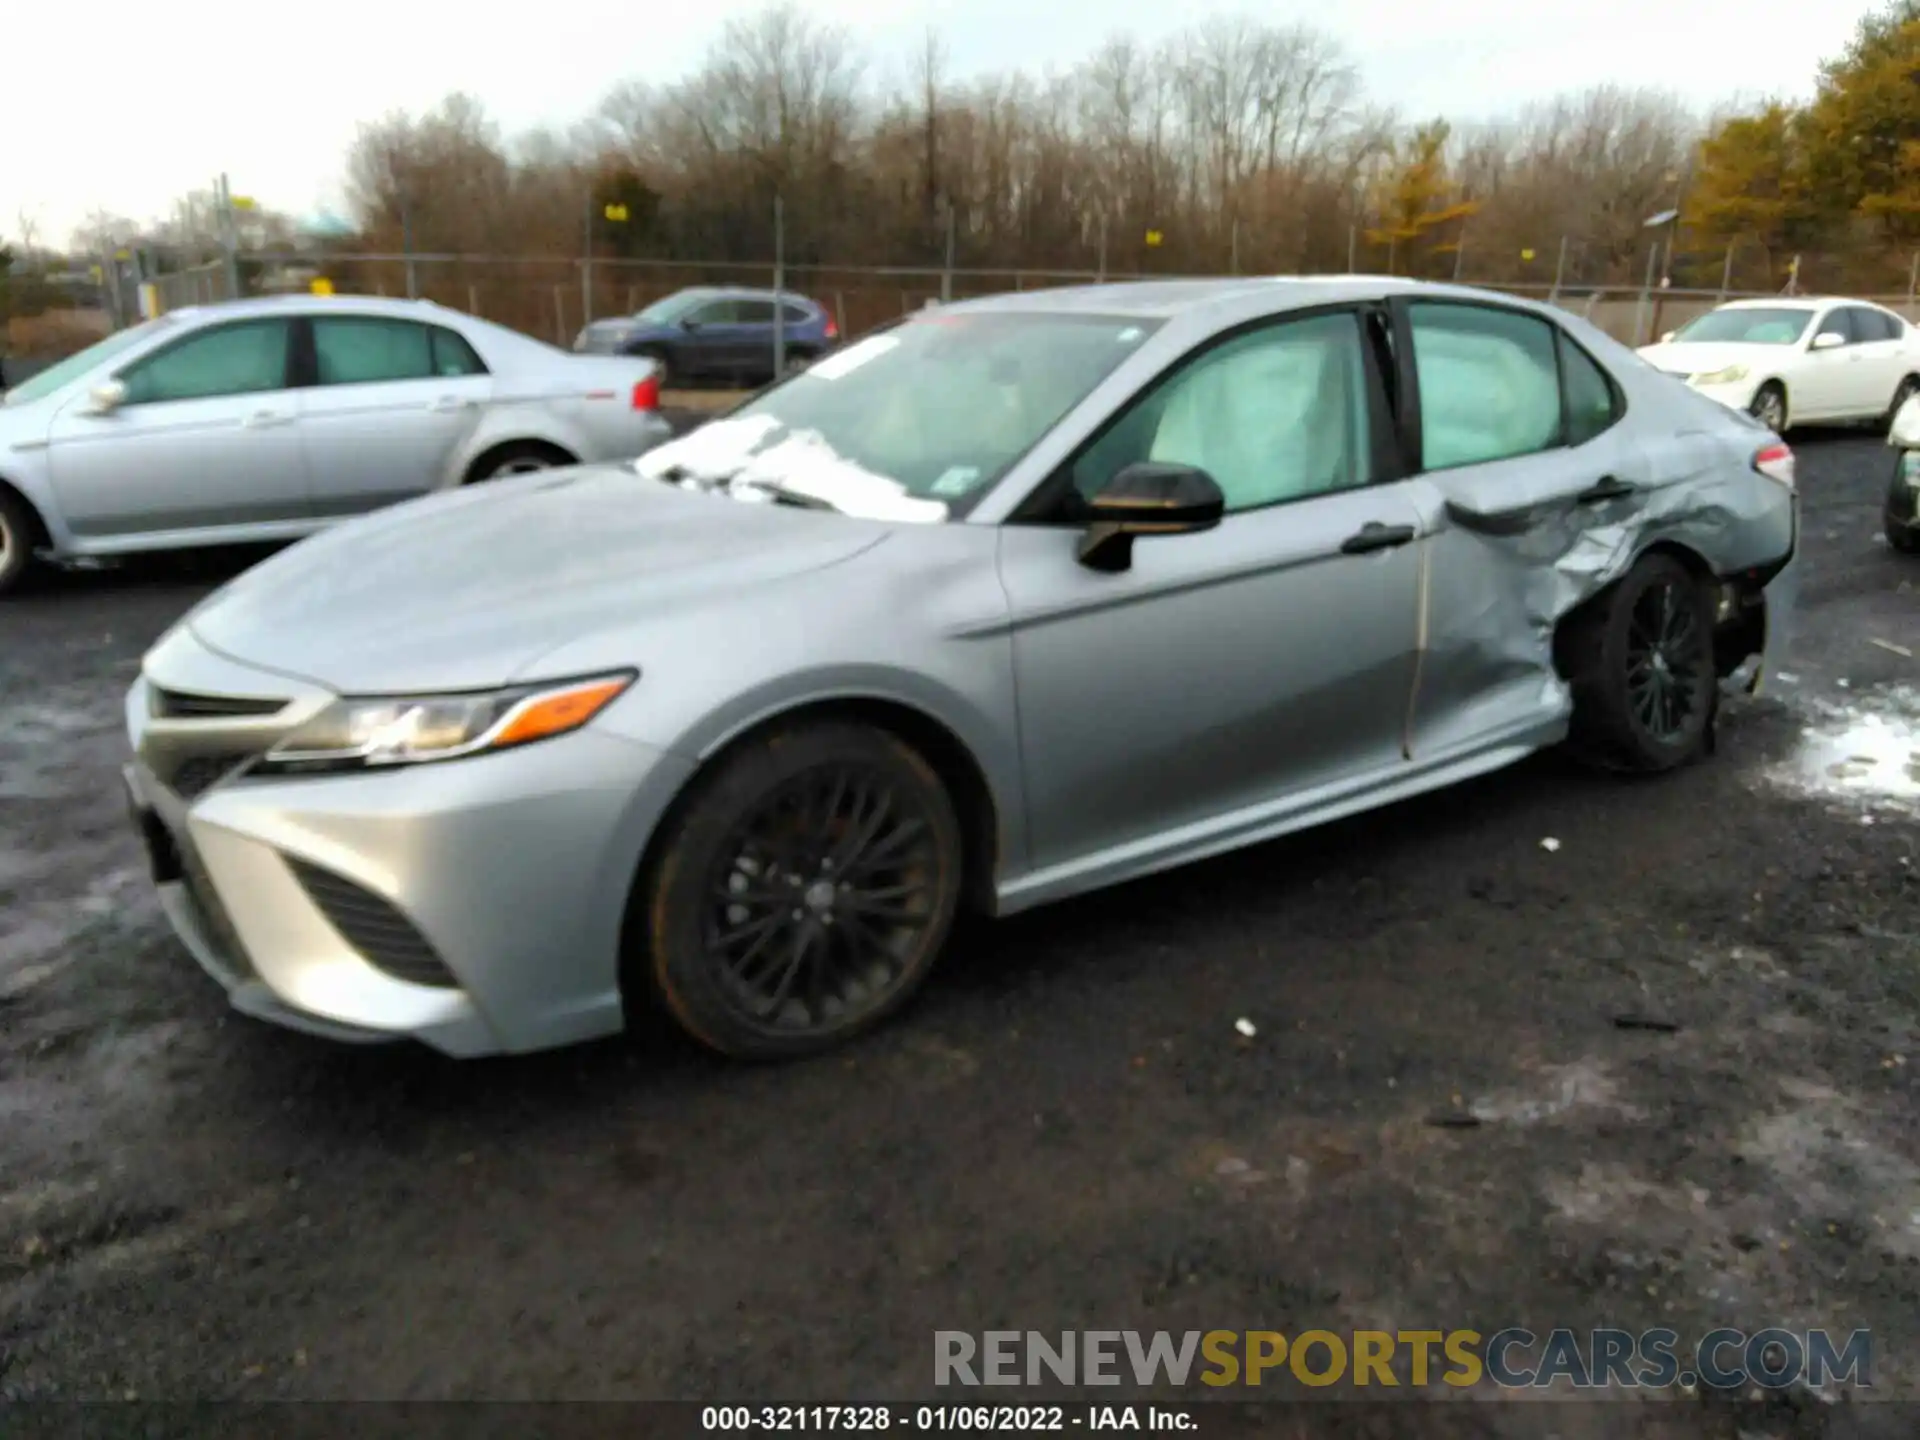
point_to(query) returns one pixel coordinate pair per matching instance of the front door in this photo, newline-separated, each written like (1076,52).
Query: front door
(1229,674)
(208,437)
(391,403)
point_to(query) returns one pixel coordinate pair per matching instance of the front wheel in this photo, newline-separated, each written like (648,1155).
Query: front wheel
(1905,391)
(1769,407)
(803,891)
(16,542)
(1640,660)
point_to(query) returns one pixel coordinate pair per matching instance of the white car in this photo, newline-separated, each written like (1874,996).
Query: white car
(1791,361)
(265,420)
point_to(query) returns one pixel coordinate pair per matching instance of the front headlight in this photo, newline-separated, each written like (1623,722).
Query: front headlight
(1722,377)
(358,734)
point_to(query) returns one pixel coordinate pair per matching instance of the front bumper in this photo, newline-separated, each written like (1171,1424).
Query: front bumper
(1737,396)
(475,905)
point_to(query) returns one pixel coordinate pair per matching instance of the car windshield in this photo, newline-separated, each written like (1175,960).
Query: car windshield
(1746,326)
(943,404)
(665,312)
(54,377)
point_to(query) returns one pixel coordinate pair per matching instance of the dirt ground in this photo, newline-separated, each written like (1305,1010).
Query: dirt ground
(1440,1120)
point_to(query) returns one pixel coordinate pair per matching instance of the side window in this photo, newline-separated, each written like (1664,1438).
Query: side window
(244,358)
(362,350)
(1836,322)
(1278,413)
(1489,384)
(453,356)
(716,312)
(1592,405)
(1874,324)
(795,315)
(753,312)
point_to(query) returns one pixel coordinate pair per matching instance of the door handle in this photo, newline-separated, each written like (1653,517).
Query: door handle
(1375,536)
(1607,488)
(448,403)
(261,419)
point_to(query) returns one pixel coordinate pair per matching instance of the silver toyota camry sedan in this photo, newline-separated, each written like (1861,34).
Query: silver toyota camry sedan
(1018,598)
(265,420)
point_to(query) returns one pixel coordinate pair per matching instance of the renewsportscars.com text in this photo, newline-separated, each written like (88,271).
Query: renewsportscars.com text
(1515,1358)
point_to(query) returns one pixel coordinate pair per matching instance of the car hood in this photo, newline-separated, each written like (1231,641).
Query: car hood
(469,589)
(1705,357)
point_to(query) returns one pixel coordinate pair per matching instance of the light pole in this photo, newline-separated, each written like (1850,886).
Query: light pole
(1652,222)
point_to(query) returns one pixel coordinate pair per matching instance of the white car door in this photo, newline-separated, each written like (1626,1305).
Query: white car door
(1879,338)
(391,400)
(1825,380)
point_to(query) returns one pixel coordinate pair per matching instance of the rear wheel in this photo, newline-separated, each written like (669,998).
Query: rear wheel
(17,536)
(1769,407)
(1640,660)
(521,459)
(803,892)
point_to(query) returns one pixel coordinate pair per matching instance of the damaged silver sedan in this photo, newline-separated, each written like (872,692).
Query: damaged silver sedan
(1019,598)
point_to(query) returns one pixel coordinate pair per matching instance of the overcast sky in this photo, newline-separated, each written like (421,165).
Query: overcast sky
(132,106)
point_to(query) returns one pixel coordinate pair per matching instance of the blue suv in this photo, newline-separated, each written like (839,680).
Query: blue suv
(716,334)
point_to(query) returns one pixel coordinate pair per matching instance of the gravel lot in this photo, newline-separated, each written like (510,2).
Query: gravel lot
(1067,1131)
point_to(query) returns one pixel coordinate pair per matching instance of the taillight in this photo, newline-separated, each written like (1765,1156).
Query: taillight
(1776,463)
(646,393)
(833,330)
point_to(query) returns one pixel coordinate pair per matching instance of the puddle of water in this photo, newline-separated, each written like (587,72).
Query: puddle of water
(1861,752)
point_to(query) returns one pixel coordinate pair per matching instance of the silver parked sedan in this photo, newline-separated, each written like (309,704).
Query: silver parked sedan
(1019,598)
(264,420)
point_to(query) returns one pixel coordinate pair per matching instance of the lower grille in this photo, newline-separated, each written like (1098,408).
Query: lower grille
(197,774)
(382,936)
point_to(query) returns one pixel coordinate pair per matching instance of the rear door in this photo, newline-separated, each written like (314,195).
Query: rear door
(208,437)
(1524,470)
(1878,360)
(390,402)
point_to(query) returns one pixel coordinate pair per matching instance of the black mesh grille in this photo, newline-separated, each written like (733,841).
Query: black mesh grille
(383,936)
(197,774)
(184,705)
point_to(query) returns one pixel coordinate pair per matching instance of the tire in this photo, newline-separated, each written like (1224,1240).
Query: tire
(519,459)
(1632,711)
(1769,407)
(19,530)
(1903,392)
(778,825)
(1903,538)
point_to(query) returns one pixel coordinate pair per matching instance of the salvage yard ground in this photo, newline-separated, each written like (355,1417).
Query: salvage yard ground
(1662,1072)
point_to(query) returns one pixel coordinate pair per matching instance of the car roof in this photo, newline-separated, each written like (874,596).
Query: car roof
(1797,302)
(273,304)
(1166,299)
(744,292)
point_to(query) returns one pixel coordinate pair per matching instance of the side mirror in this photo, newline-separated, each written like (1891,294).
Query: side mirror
(1667,339)
(1829,340)
(107,398)
(689,325)
(1147,498)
